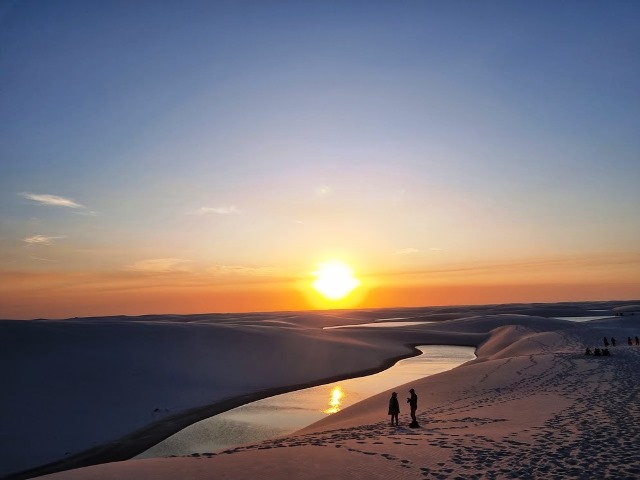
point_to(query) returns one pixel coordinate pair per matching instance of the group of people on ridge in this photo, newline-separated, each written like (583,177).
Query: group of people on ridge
(394,408)
(605,351)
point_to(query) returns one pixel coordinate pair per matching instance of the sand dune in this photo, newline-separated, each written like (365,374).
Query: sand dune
(531,406)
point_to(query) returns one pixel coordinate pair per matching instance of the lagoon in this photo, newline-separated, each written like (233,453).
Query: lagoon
(286,413)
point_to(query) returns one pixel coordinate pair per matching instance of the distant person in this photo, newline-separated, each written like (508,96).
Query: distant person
(587,351)
(629,341)
(637,341)
(413,404)
(606,342)
(606,352)
(394,407)
(596,352)
(613,342)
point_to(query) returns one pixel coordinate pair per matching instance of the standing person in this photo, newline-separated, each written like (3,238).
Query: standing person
(413,404)
(394,407)
(629,341)
(613,342)
(637,341)
(606,342)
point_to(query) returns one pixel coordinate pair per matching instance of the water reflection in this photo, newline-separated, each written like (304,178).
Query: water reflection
(335,399)
(286,413)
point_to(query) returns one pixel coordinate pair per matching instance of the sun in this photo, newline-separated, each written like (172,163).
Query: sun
(334,280)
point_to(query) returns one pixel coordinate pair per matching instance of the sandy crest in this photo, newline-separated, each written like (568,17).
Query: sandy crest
(78,385)
(531,406)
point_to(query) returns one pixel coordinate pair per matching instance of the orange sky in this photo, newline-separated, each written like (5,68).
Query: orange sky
(51,295)
(181,159)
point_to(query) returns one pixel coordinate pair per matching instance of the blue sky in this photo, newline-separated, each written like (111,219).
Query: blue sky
(270,135)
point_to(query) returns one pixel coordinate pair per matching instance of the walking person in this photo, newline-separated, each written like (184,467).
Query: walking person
(394,408)
(413,404)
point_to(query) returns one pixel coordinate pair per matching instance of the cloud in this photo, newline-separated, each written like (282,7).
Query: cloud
(41,240)
(160,265)
(40,259)
(530,265)
(52,200)
(244,271)
(406,251)
(222,210)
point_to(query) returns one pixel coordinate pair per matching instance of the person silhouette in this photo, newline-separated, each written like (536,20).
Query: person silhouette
(629,341)
(587,351)
(596,352)
(413,404)
(637,341)
(613,342)
(606,342)
(394,407)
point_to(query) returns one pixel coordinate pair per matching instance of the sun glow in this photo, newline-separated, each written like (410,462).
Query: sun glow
(334,280)
(335,400)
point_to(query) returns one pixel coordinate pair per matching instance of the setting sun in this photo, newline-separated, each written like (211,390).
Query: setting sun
(334,280)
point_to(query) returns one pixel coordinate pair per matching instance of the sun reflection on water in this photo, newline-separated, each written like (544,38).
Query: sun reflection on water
(335,399)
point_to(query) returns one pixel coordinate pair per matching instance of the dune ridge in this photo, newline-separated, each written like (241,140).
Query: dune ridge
(531,399)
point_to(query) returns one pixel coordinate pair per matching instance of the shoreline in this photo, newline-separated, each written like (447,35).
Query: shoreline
(142,439)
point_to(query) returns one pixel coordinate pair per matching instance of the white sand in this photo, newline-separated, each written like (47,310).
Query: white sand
(531,406)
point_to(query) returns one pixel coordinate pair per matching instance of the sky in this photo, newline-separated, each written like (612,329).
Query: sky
(202,156)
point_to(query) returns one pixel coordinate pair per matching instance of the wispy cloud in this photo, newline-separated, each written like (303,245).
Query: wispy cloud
(406,251)
(41,240)
(52,200)
(543,264)
(58,201)
(160,265)
(244,271)
(222,210)
(40,259)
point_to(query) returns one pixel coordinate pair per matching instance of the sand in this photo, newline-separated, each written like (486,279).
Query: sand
(531,406)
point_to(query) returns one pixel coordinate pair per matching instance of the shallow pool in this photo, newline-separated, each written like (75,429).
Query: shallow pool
(584,319)
(380,324)
(286,413)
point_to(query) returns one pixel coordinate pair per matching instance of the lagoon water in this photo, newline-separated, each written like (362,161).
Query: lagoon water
(286,413)
(380,324)
(584,319)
